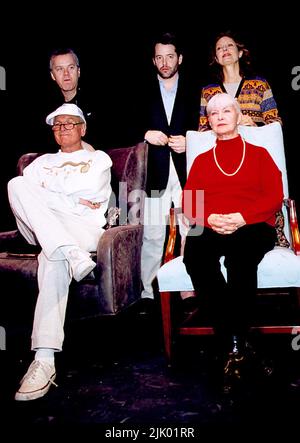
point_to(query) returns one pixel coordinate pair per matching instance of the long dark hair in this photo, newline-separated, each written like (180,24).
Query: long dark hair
(244,62)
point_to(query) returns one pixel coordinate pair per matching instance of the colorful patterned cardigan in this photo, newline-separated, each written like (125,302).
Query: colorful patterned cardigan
(254,96)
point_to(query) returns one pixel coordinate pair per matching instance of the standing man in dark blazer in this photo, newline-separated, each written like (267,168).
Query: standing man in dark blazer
(171,110)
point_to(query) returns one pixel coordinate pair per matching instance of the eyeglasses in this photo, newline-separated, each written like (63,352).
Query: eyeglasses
(67,126)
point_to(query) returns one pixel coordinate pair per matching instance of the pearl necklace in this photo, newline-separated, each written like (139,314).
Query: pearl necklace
(240,165)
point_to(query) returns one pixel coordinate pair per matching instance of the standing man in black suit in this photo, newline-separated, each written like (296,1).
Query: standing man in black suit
(171,110)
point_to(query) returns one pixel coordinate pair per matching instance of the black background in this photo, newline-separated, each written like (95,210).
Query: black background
(113,43)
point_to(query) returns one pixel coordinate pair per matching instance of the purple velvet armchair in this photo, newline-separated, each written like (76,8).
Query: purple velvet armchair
(115,284)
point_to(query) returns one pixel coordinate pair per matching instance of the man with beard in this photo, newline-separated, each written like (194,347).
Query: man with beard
(171,110)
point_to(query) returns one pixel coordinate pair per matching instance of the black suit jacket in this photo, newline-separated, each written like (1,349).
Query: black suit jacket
(184,117)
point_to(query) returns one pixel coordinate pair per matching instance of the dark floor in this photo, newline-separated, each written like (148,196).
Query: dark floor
(113,373)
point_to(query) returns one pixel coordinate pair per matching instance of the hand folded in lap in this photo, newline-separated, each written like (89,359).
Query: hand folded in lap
(226,223)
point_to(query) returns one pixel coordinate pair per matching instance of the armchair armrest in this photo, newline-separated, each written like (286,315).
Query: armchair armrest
(15,245)
(169,252)
(173,232)
(295,234)
(293,225)
(7,238)
(118,265)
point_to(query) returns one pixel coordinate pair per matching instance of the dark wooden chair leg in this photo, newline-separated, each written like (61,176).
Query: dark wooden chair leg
(298,296)
(165,300)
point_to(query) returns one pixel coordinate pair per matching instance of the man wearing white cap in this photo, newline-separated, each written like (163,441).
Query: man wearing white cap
(59,203)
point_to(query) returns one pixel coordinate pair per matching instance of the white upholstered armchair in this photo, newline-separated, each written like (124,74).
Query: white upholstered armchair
(280,268)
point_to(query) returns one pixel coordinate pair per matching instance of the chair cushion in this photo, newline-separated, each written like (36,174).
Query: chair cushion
(279,268)
(172,276)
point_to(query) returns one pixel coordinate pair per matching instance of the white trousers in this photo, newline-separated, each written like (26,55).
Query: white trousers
(156,213)
(51,228)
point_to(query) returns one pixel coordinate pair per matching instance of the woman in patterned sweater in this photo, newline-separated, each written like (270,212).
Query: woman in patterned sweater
(231,60)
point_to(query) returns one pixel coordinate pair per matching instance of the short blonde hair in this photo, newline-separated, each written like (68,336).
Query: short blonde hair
(222,99)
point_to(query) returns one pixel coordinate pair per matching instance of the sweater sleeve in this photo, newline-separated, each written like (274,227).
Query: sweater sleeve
(269,107)
(271,195)
(203,120)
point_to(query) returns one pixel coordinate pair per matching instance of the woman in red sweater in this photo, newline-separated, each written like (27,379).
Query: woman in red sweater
(242,190)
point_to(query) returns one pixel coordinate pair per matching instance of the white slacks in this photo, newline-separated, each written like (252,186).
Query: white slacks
(53,228)
(156,212)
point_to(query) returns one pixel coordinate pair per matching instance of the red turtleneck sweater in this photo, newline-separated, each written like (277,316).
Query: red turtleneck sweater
(255,190)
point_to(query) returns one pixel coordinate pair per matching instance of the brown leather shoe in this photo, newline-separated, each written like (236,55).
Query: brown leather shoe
(233,371)
(147,306)
(234,365)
